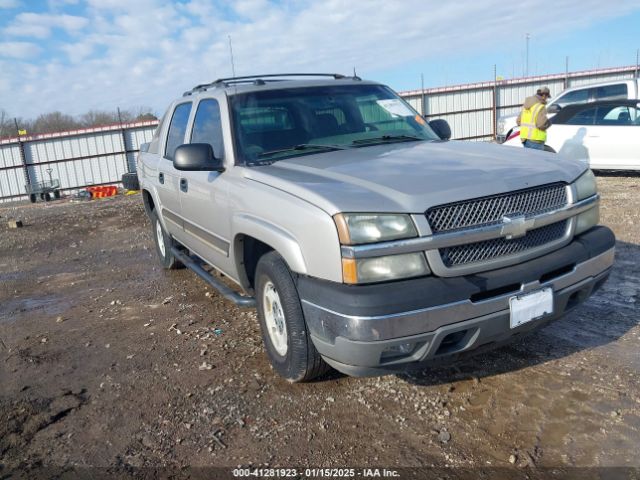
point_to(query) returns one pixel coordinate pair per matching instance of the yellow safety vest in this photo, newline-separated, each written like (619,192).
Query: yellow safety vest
(528,129)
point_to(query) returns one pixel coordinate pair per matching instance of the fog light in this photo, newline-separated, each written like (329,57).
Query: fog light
(398,350)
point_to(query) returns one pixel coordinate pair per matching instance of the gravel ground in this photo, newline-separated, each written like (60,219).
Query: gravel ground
(106,360)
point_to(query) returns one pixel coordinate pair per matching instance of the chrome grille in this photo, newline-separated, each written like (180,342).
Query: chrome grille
(499,247)
(490,210)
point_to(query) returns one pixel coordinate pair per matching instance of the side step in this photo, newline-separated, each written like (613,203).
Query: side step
(225,291)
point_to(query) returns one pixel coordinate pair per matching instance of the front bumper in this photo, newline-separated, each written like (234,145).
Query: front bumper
(351,326)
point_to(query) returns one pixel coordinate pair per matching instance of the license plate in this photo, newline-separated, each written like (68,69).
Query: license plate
(531,306)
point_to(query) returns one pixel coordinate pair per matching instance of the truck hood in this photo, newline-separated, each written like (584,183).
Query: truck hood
(412,177)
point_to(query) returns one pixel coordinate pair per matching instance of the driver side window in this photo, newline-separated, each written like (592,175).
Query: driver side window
(207,126)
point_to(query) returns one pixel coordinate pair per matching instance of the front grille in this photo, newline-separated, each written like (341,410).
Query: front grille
(490,210)
(500,247)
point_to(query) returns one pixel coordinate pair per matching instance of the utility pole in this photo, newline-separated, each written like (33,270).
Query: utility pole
(424,104)
(526,68)
(637,61)
(123,136)
(23,157)
(495,102)
(566,72)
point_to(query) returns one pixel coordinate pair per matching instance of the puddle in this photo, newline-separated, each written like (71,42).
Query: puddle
(50,305)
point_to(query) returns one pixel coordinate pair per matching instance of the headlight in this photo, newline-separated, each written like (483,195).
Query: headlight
(586,185)
(379,269)
(359,228)
(587,219)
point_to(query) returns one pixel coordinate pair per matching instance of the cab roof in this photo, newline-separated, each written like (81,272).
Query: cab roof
(275,82)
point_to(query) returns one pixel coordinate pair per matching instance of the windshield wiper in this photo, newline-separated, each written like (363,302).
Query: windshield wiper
(303,146)
(387,138)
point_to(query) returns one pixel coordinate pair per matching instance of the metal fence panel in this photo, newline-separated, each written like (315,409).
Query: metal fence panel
(78,159)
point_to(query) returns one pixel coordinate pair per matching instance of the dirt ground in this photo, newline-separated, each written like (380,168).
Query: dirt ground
(106,360)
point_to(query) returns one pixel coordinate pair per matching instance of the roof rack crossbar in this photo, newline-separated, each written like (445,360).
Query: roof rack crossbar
(258,80)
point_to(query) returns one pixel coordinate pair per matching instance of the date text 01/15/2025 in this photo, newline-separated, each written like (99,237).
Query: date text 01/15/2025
(315,472)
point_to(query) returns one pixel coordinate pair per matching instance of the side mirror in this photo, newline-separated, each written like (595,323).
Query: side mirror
(196,157)
(441,128)
(554,108)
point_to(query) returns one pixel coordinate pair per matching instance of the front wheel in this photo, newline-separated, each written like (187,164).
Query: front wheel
(163,244)
(284,330)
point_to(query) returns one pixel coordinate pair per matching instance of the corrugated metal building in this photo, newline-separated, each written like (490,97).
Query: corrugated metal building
(472,110)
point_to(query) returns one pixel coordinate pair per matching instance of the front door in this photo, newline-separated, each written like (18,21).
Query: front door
(204,195)
(168,180)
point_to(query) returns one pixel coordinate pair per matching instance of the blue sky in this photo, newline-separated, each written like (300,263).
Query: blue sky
(77,55)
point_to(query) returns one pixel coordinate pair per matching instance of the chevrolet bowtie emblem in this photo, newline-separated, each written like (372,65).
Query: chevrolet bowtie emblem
(515,226)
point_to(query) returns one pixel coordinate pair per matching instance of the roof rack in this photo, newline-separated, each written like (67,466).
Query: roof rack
(259,80)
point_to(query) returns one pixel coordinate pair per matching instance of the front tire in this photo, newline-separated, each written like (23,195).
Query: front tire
(163,244)
(284,330)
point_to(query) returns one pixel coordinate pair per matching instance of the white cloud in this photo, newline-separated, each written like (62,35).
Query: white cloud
(9,3)
(149,51)
(39,25)
(18,50)
(54,4)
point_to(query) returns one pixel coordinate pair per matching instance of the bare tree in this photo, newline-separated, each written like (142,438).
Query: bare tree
(3,115)
(54,122)
(94,118)
(59,122)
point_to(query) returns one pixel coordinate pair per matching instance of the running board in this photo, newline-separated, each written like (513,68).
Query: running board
(224,290)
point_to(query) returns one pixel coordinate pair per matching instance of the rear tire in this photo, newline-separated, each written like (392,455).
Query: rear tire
(284,330)
(33,198)
(163,244)
(56,194)
(130,181)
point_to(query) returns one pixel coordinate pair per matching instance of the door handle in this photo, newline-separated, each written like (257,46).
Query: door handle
(184,185)
(161,177)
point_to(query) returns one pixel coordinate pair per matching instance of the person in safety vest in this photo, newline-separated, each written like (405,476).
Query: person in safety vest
(533,120)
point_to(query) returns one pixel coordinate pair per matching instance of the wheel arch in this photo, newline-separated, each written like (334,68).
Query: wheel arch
(254,238)
(149,203)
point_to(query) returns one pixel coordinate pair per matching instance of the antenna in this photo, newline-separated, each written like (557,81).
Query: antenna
(233,67)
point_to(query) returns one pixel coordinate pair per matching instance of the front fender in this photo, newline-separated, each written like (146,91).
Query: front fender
(273,235)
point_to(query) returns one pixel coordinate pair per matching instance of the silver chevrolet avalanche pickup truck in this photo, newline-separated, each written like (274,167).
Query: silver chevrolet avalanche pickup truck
(367,240)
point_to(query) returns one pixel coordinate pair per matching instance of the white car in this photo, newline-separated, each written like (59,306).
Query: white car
(606,134)
(598,92)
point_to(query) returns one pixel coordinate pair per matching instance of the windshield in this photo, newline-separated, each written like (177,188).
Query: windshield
(274,124)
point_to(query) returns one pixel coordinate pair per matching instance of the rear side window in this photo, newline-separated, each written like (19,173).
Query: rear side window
(617,115)
(177,129)
(207,127)
(577,96)
(611,92)
(154,145)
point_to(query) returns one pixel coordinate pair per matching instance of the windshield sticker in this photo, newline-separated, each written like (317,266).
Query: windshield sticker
(395,107)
